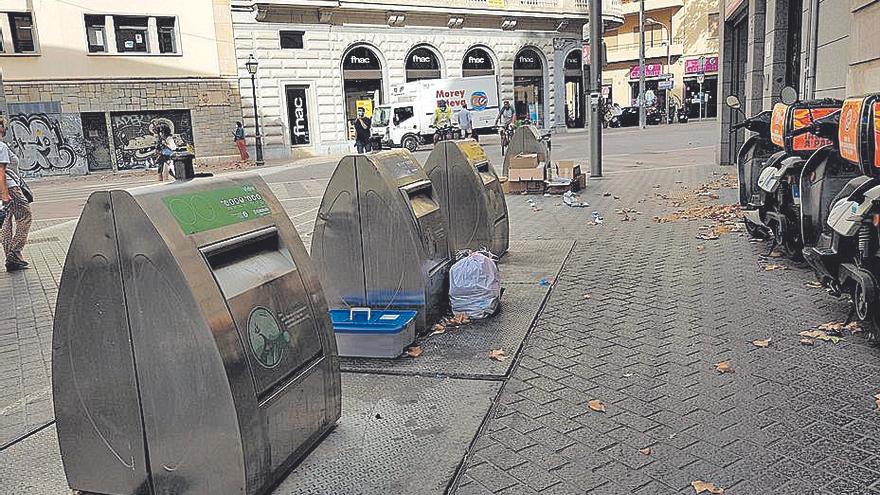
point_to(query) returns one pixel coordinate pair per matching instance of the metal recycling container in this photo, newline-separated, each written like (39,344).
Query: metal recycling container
(470,195)
(192,350)
(362,332)
(525,140)
(380,238)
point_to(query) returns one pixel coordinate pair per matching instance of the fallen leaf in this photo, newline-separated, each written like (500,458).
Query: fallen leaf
(597,405)
(701,248)
(775,254)
(854,327)
(831,328)
(771,267)
(761,342)
(807,341)
(498,355)
(813,285)
(877,401)
(414,351)
(812,334)
(701,486)
(587,296)
(627,375)
(707,237)
(438,328)
(820,335)
(645,451)
(724,367)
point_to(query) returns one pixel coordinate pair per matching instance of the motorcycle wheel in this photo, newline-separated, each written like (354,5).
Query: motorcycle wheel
(864,312)
(755,231)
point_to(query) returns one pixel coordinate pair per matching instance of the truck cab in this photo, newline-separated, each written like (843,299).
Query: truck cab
(396,125)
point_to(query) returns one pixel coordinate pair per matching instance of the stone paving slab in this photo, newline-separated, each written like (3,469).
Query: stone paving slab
(26,333)
(397,434)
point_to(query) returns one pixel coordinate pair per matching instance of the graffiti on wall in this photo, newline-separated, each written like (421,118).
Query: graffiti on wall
(48,144)
(135,135)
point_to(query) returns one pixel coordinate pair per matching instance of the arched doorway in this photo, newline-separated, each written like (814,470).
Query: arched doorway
(477,62)
(362,83)
(575,96)
(528,86)
(422,63)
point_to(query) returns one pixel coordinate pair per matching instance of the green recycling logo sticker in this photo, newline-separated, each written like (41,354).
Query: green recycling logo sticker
(268,341)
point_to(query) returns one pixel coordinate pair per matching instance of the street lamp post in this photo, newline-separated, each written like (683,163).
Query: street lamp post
(700,78)
(251,66)
(642,119)
(668,42)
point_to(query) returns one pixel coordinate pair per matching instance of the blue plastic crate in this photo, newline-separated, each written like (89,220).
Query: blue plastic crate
(365,332)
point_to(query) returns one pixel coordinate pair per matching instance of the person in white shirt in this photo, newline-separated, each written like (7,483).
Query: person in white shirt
(166,146)
(466,123)
(17,224)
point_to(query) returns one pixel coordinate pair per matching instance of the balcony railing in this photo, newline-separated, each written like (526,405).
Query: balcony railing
(632,6)
(624,52)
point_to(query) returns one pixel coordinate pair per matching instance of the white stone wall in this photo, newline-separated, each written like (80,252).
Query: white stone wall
(319,65)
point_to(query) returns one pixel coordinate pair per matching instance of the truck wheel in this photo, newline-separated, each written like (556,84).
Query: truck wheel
(410,142)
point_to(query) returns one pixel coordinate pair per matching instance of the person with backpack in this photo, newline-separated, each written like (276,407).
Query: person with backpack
(17,222)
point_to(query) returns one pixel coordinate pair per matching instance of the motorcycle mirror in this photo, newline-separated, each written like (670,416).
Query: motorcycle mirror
(733,102)
(789,95)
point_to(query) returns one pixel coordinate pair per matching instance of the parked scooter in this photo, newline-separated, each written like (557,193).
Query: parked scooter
(751,160)
(777,207)
(841,206)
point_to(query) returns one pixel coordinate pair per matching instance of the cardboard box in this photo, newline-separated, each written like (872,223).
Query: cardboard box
(526,187)
(524,161)
(567,169)
(505,185)
(521,174)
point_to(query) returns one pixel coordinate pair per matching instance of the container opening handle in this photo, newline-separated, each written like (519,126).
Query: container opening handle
(354,311)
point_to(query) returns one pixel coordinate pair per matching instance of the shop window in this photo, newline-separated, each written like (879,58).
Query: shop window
(131,34)
(291,40)
(96,34)
(22,26)
(167,30)
(713,25)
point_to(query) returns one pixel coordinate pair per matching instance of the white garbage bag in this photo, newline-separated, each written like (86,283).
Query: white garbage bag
(475,286)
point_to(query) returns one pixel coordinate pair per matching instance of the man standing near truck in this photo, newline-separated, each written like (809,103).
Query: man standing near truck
(362,132)
(466,123)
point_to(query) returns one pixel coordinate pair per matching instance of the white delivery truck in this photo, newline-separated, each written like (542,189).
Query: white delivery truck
(406,121)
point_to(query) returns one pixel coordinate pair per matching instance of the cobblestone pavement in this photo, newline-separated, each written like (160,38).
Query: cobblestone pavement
(791,419)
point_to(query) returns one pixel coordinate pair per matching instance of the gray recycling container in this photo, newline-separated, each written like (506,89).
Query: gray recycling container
(380,238)
(470,195)
(192,350)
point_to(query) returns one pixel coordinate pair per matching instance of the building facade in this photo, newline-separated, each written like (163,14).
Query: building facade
(86,83)
(679,34)
(319,61)
(822,48)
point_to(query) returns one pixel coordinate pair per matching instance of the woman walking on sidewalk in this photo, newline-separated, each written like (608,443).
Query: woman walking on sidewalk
(17,224)
(238,136)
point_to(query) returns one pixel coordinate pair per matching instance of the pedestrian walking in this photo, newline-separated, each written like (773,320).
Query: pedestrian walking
(362,132)
(466,123)
(238,136)
(17,224)
(165,147)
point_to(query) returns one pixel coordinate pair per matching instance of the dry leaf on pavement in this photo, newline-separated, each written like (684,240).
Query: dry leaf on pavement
(587,296)
(877,401)
(807,341)
(414,351)
(597,405)
(813,285)
(771,267)
(438,328)
(854,327)
(761,342)
(724,367)
(775,254)
(820,335)
(645,451)
(498,354)
(701,486)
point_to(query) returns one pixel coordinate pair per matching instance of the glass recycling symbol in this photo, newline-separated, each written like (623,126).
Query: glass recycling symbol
(268,341)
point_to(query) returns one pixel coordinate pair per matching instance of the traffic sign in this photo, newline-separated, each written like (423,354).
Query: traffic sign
(700,78)
(665,84)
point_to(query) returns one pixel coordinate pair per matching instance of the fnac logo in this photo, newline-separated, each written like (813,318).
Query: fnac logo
(479,100)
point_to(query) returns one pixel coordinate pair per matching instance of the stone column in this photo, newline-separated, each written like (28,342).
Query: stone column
(776,50)
(561,47)
(754,93)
